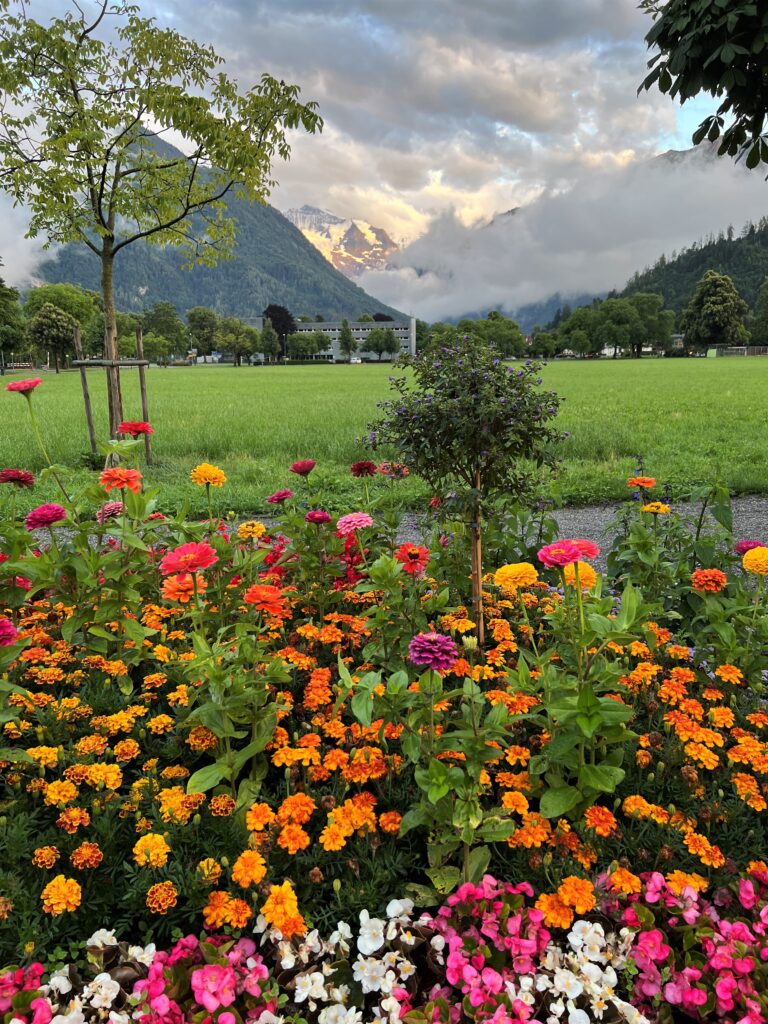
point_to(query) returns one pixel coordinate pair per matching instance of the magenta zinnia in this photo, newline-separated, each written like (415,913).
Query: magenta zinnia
(279,497)
(8,632)
(560,554)
(353,521)
(45,515)
(303,467)
(741,548)
(317,516)
(24,386)
(20,477)
(433,650)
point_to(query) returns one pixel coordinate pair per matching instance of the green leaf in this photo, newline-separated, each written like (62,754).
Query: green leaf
(557,801)
(603,778)
(477,863)
(206,778)
(445,879)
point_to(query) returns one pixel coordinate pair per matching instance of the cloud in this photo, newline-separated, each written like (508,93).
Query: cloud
(589,238)
(20,255)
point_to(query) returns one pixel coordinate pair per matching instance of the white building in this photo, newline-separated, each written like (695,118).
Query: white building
(404,330)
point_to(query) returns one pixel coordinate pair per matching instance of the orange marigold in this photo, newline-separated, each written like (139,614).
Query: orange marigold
(577,893)
(151,851)
(389,822)
(249,869)
(222,806)
(730,674)
(281,911)
(624,881)
(61,894)
(556,913)
(293,838)
(45,856)
(209,870)
(259,817)
(296,809)
(87,855)
(161,897)
(201,738)
(600,820)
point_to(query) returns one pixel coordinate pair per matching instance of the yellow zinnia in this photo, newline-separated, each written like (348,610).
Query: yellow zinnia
(756,561)
(205,473)
(657,508)
(253,529)
(587,575)
(510,578)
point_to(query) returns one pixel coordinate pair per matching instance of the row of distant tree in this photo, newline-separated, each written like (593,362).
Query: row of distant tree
(43,326)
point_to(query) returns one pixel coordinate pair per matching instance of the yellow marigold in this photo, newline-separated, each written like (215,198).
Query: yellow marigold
(710,855)
(57,794)
(281,911)
(624,881)
(127,750)
(151,851)
(209,870)
(104,776)
(587,575)
(161,897)
(160,724)
(756,561)
(657,508)
(249,869)
(61,894)
(207,475)
(730,674)
(293,838)
(252,530)
(258,817)
(577,893)
(45,856)
(556,913)
(679,880)
(222,806)
(510,578)
(46,757)
(87,855)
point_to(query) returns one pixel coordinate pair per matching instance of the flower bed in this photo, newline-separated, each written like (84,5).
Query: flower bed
(263,733)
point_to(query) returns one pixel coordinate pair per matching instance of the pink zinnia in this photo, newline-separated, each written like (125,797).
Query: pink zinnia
(24,386)
(109,510)
(353,521)
(433,650)
(303,467)
(20,477)
(45,515)
(8,632)
(587,548)
(188,558)
(746,545)
(559,554)
(279,497)
(317,516)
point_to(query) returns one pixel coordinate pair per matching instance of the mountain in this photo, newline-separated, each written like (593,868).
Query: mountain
(273,262)
(352,246)
(743,257)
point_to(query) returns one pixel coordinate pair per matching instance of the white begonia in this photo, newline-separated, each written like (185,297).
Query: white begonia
(102,991)
(372,975)
(371,936)
(60,982)
(576,1016)
(391,1007)
(405,968)
(566,983)
(102,938)
(341,937)
(287,955)
(557,1008)
(118,1017)
(75,1016)
(437,942)
(339,1015)
(270,1018)
(143,954)
(309,986)
(400,908)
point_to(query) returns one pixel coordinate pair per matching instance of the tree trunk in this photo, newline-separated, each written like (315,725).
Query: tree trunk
(110,339)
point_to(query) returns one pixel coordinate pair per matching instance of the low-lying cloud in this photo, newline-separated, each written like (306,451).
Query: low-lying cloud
(589,238)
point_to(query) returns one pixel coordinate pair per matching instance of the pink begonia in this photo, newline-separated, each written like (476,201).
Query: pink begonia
(353,521)
(214,986)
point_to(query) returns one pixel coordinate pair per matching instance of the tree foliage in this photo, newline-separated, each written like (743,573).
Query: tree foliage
(81,305)
(12,325)
(347,341)
(718,47)
(201,324)
(715,314)
(163,319)
(52,330)
(85,105)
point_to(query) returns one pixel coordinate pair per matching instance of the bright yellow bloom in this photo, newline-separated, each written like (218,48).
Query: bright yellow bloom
(510,578)
(151,851)
(624,881)
(587,575)
(577,893)
(281,910)
(61,894)
(756,561)
(46,757)
(252,530)
(206,474)
(209,870)
(657,508)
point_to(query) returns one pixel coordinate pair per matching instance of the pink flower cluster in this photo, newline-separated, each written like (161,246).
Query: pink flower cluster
(566,552)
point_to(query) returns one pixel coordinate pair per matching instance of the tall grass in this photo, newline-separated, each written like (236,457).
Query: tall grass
(691,420)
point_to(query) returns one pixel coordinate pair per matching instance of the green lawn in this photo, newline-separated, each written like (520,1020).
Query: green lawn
(690,419)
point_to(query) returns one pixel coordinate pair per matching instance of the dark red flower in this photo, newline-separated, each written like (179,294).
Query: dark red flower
(363,468)
(279,497)
(134,427)
(317,516)
(303,467)
(20,477)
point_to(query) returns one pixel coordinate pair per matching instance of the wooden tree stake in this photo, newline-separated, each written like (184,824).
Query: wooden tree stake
(143,389)
(86,394)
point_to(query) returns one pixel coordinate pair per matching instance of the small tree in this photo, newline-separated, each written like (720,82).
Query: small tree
(347,343)
(156,348)
(163,319)
(392,344)
(52,330)
(12,325)
(376,341)
(202,323)
(232,335)
(715,314)
(464,421)
(282,321)
(759,322)
(80,304)
(270,342)
(85,105)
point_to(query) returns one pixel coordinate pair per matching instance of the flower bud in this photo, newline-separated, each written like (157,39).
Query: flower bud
(224,861)
(337,885)
(469,643)
(196,820)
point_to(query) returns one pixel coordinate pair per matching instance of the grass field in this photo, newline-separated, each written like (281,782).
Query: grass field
(691,420)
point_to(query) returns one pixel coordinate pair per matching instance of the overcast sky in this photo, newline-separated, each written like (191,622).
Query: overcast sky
(441,113)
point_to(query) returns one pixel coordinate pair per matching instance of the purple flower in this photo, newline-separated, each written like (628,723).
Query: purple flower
(746,545)
(45,515)
(433,650)
(109,510)
(317,516)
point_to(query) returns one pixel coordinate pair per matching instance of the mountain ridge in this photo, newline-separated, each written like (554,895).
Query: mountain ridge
(351,245)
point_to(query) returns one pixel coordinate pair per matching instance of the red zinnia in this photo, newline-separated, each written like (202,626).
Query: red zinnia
(45,515)
(279,497)
(20,477)
(24,386)
(8,632)
(267,599)
(413,556)
(134,427)
(188,558)
(587,548)
(118,478)
(708,581)
(363,468)
(303,467)
(318,516)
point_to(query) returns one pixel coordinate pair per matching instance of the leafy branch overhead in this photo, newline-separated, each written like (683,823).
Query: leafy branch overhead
(718,47)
